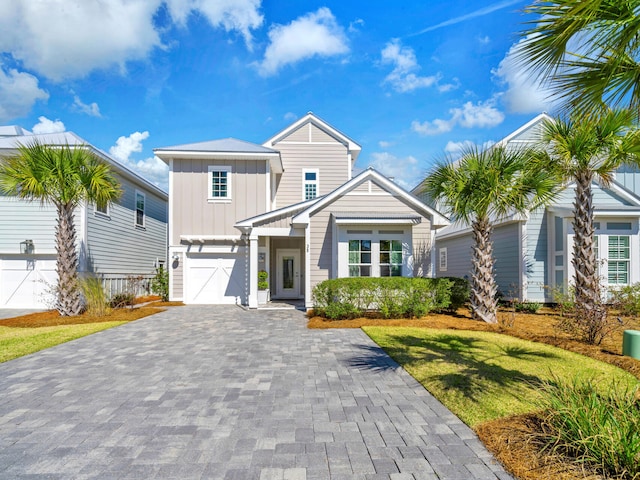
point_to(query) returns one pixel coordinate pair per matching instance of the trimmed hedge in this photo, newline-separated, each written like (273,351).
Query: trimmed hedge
(390,297)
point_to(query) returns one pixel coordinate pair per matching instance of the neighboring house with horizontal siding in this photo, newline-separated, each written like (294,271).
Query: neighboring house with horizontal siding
(533,252)
(291,207)
(125,240)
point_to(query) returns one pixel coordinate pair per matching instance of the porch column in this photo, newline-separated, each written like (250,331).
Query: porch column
(253,271)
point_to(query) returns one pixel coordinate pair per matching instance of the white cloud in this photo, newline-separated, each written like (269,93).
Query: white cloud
(313,34)
(239,15)
(404,171)
(385,144)
(402,78)
(290,116)
(45,125)
(19,91)
(152,169)
(61,39)
(484,40)
(455,148)
(91,109)
(125,146)
(479,115)
(524,93)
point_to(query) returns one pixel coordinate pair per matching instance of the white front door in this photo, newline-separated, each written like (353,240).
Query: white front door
(288,273)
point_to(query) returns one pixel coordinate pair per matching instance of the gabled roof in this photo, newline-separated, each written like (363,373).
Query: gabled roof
(438,220)
(73,140)
(301,212)
(543,117)
(351,145)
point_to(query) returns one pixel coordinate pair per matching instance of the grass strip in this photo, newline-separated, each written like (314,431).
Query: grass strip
(16,342)
(482,376)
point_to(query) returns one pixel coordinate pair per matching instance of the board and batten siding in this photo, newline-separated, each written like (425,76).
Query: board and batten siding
(116,246)
(194,214)
(322,235)
(629,177)
(537,261)
(310,147)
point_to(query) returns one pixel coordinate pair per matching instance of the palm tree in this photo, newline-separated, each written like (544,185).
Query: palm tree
(480,188)
(587,50)
(583,149)
(64,177)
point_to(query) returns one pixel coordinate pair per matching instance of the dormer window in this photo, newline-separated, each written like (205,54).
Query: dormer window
(309,184)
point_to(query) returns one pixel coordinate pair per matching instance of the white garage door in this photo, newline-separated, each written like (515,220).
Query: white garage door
(27,282)
(215,278)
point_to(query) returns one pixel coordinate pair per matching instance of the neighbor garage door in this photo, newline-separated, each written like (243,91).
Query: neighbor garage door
(215,278)
(27,282)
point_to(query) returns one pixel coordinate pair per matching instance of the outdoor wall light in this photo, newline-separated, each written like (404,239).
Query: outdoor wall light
(175,257)
(27,247)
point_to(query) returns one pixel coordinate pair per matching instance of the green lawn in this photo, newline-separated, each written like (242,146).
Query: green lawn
(482,376)
(16,342)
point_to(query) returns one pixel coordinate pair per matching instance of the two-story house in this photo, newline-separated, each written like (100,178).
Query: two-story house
(292,208)
(126,240)
(534,252)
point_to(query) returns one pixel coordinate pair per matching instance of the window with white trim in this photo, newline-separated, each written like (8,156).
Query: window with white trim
(103,210)
(619,260)
(140,209)
(359,258)
(310,183)
(390,258)
(442,257)
(219,183)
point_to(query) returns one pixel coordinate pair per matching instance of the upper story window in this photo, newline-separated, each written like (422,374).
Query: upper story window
(140,209)
(103,210)
(219,183)
(310,184)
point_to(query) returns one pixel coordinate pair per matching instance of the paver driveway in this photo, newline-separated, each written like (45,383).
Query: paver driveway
(219,392)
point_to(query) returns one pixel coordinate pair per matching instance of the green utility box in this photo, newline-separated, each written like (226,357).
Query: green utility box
(631,343)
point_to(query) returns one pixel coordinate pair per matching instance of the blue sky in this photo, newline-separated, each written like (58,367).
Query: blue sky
(409,81)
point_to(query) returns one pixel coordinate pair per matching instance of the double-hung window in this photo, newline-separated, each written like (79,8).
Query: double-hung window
(140,209)
(310,183)
(359,258)
(390,258)
(619,260)
(219,183)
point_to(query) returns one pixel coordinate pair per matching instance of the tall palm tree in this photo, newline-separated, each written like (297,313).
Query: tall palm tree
(482,187)
(587,50)
(584,149)
(61,176)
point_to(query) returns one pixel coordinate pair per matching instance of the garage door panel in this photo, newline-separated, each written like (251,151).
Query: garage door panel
(215,278)
(27,282)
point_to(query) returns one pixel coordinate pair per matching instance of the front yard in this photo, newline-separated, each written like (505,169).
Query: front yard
(491,376)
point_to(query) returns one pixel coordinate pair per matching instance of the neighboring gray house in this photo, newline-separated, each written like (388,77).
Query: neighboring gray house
(290,207)
(129,238)
(533,252)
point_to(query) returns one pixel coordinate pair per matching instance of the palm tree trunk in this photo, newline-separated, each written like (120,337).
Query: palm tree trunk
(584,259)
(69,301)
(483,283)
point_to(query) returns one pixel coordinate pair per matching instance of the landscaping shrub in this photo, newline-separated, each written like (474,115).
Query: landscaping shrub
(95,298)
(160,283)
(627,299)
(527,307)
(602,430)
(392,297)
(121,300)
(460,292)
